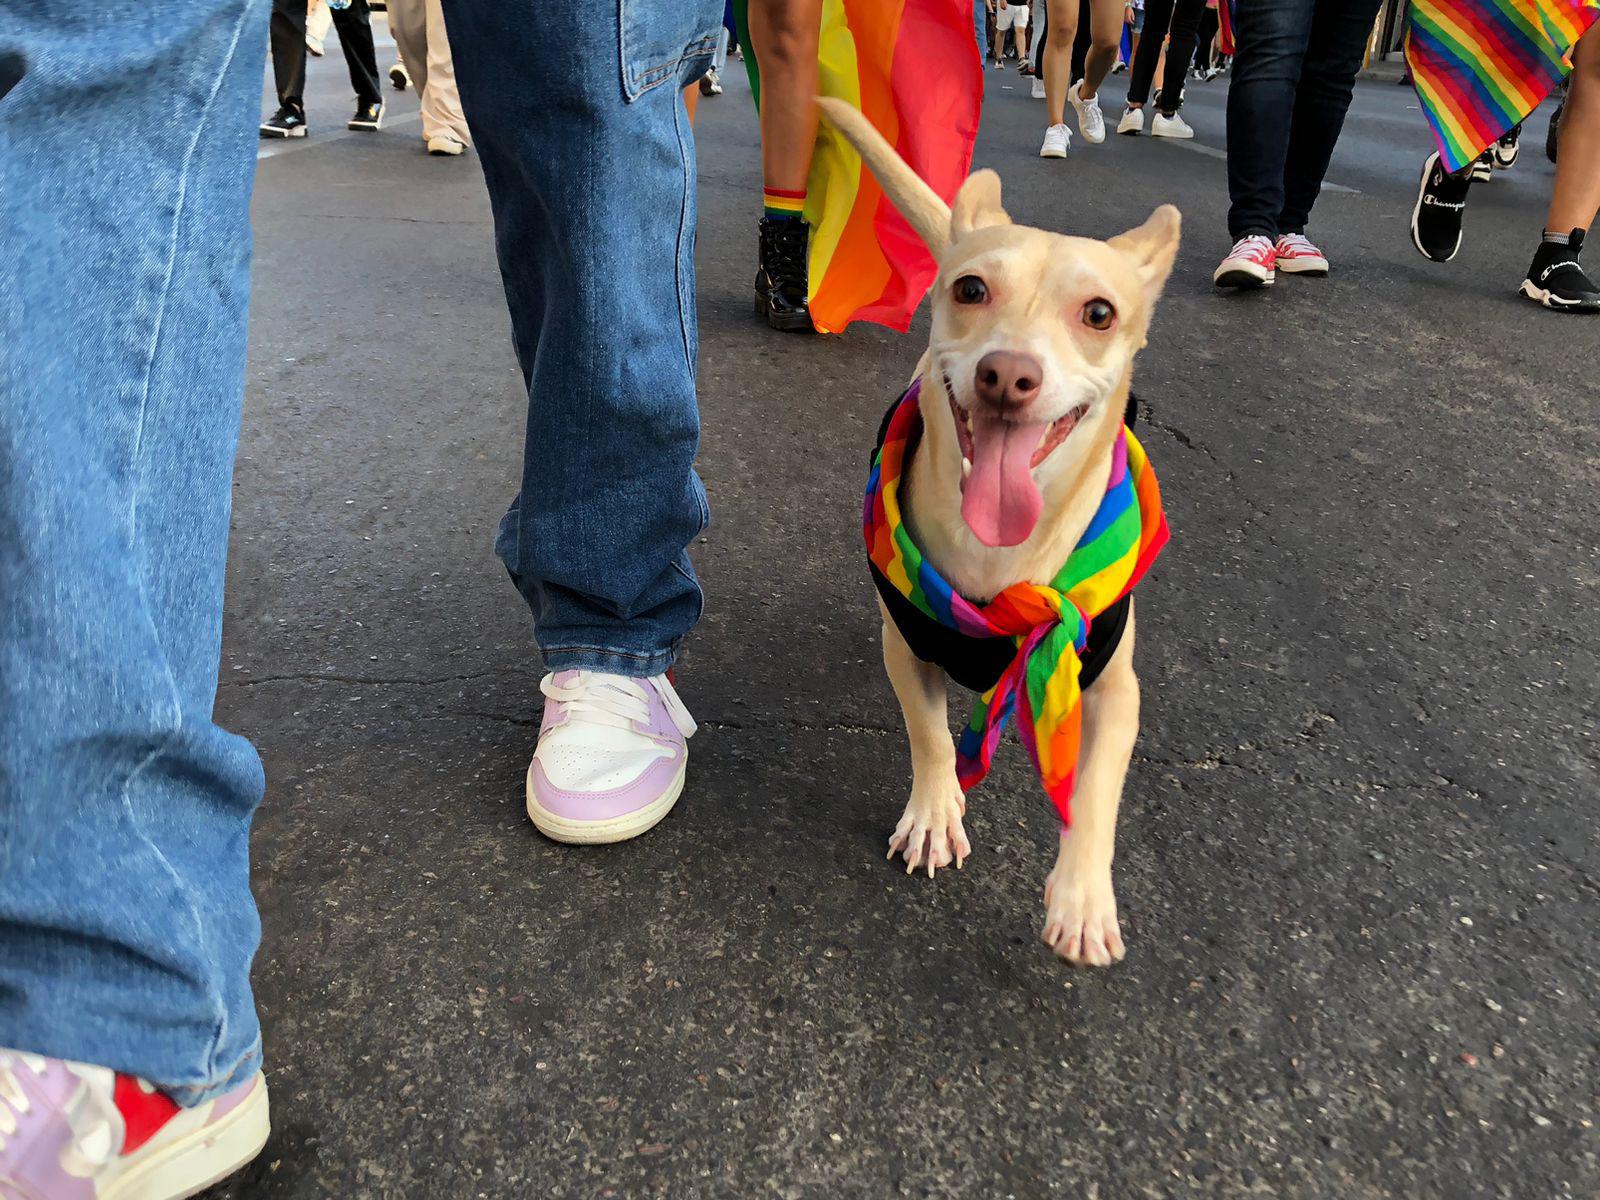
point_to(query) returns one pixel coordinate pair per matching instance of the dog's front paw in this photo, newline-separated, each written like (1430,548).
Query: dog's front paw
(930,832)
(1080,921)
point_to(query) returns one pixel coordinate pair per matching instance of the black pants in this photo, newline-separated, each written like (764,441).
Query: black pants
(1293,74)
(1184,17)
(1203,58)
(289,50)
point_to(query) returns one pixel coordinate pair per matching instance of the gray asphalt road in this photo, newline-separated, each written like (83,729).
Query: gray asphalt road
(1357,859)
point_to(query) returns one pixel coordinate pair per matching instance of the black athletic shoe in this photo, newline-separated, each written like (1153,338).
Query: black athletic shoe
(288,121)
(781,293)
(1441,203)
(1483,167)
(1555,279)
(1505,151)
(368,117)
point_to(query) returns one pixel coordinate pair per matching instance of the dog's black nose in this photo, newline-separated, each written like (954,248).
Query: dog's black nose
(1007,380)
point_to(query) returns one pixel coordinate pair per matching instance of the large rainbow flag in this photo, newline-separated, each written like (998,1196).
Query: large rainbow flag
(912,67)
(1481,66)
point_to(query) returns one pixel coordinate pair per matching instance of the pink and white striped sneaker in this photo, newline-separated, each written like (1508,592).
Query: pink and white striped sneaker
(611,758)
(69,1131)
(1296,254)
(1251,263)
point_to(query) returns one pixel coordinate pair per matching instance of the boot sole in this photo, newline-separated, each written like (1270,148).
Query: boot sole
(800,323)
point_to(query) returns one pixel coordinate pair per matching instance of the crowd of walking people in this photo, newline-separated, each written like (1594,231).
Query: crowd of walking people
(130,1047)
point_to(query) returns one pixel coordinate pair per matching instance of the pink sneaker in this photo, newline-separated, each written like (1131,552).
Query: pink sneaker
(74,1132)
(1296,254)
(611,756)
(1251,263)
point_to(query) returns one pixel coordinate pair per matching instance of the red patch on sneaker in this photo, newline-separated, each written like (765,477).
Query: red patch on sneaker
(144,1113)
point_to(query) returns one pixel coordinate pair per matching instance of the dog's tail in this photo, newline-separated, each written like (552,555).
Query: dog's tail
(910,193)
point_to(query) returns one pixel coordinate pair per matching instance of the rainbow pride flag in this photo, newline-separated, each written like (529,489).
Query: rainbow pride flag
(912,67)
(1481,66)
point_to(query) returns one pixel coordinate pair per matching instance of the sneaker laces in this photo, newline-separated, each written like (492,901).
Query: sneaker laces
(91,1146)
(616,700)
(1296,243)
(1257,247)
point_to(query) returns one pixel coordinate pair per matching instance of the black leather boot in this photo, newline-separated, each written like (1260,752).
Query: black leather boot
(781,275)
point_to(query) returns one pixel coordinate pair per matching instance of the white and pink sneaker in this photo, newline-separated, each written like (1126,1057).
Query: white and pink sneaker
(611,756)
(1296,254)
(69,1131)
(1251,263)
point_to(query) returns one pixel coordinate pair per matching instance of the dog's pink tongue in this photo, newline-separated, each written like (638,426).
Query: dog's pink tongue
(1000,503)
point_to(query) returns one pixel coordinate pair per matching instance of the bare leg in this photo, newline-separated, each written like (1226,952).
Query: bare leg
(1105,33)
(930,832)
(1576,197)
(784,34)
(1080,906)
(1062,20)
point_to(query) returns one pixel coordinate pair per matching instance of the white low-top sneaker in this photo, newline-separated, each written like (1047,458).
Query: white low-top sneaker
(1132,122)
(1091,122)
(1038,88)
(611,758)
(1170,127)
(1056,140)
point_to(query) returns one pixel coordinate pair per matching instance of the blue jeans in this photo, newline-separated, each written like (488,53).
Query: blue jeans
(127,150)
(1294,72)
(590,165)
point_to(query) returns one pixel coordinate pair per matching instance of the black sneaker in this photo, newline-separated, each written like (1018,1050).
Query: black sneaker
(1505,151)
(288,121)
(1441,203)
(781,293)
(1555,279)
(369,116)
(1483,167)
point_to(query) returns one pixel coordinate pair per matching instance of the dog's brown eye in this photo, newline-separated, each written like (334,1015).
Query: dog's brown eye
(970,289)
(1099,314)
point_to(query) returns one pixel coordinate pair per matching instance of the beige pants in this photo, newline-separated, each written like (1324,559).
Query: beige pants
(418,28)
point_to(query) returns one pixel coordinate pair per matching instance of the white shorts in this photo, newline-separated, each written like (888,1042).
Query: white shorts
(1012,16)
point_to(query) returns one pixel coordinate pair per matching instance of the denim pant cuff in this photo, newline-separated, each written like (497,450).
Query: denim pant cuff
(189,1095)
(610,660)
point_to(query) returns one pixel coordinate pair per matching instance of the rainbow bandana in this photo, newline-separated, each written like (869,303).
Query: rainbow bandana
(1048,624)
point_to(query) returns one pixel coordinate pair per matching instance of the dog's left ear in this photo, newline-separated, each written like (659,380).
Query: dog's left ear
(1153,247)
(977,204)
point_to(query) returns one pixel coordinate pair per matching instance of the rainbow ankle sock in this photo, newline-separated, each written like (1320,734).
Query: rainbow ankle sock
(776,202)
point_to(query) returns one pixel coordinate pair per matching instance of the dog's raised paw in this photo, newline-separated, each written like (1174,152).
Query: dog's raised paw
(1080,922)
(930,833)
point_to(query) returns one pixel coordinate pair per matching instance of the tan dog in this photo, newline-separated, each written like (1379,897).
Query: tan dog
(1024,385)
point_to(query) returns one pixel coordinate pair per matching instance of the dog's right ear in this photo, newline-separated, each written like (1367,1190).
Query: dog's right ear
(918,203)
(977,205)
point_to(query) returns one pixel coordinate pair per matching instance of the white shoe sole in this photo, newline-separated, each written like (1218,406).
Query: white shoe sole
(614,829)
(1548,299)
(297,131)
(1047,152)
(1310,268)
(1183,135)
(192,1164)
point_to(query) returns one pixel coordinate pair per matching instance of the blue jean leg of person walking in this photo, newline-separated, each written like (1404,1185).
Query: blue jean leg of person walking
(126,922)
(596,242)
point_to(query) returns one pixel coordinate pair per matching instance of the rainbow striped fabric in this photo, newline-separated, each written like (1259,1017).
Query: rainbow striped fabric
(1481,66)
(1050,625)
(912,67)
